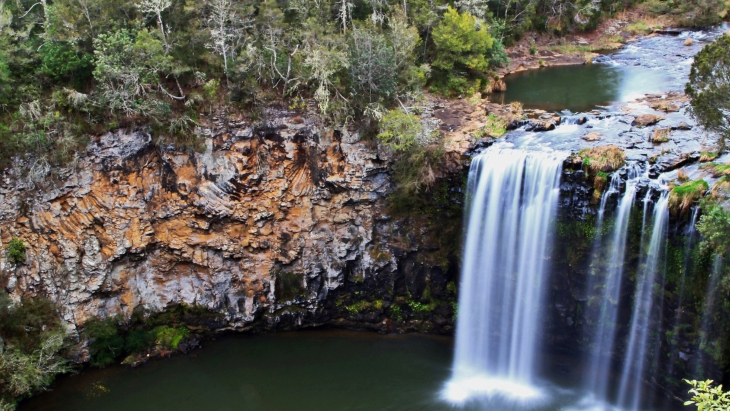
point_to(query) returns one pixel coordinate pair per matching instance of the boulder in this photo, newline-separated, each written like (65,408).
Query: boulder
(646,120)
(592,136)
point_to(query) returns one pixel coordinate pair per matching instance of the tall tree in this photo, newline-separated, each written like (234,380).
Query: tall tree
(709,88)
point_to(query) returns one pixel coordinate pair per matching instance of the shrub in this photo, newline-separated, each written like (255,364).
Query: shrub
(714,225)
(23,324)
(61,60)
(107,344)
(400,130)
(16,251)
(708,398)
(31,340)
(496,126)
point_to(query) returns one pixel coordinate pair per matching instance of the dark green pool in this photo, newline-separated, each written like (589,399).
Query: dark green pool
(322,370)
(580,88)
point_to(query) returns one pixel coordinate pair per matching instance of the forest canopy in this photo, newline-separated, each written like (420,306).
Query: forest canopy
(74,68)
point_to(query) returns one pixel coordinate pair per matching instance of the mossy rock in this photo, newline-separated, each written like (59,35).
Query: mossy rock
(682,197)
(602,159)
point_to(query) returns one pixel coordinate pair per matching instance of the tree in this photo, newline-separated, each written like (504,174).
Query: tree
(709,88)
(461,43)
(156,7)
(22,374)
(128,69)
(227,30)
(478,8)
(372,64)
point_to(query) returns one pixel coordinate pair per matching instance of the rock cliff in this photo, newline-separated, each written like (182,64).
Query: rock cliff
(285,222)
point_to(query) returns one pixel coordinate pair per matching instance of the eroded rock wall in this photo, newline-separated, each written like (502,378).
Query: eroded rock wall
(287,222)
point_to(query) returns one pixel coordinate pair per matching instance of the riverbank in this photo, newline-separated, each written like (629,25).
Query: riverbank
(539,49)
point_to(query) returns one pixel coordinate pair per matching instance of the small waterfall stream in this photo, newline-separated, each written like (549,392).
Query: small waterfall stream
(708,309)
(635,359)
(599,363)
(513,196)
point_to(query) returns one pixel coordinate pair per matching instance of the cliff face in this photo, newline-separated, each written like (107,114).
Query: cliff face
(285,222)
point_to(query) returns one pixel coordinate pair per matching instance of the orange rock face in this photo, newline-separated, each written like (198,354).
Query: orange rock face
(136,225)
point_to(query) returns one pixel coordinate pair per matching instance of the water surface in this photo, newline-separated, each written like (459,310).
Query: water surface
(306,370)
(581,88)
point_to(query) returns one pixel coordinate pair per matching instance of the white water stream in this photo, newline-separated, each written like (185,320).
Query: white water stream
(513,199)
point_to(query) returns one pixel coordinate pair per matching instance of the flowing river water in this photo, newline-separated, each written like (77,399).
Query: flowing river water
(496,361)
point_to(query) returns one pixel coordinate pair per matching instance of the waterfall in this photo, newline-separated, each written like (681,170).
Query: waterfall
(635,361)
(708,308)
(690,242)
(599,364)
(513,198)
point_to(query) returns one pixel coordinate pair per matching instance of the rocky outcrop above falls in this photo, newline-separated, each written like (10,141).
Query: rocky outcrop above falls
(285,222)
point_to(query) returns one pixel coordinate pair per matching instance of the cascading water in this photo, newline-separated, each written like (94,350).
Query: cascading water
(635,361)
(709,307)
(599,364)
(513,201)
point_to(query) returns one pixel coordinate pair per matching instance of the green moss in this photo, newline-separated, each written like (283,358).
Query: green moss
(682,197)
(420,308)
(358,307)
(496,126)
(396,312)
(168,337)
(706,156)
(717,170)
(638,28)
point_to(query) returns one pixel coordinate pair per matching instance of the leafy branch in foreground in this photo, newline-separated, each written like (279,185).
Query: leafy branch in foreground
(707,397)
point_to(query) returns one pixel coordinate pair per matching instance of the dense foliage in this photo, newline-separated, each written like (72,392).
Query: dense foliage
(31,339)
(709,88)
(714,225)
(115,339)
(74,68)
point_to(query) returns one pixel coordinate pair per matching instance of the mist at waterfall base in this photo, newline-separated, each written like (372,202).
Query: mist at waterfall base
(499,361)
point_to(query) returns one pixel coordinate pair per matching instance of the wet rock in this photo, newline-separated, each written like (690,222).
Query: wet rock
(646,120)
(682,126)
(592,136)
(688,42)
(665,106)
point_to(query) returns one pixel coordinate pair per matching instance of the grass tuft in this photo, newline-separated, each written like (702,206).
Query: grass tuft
(682,197)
